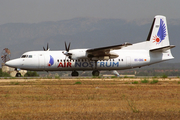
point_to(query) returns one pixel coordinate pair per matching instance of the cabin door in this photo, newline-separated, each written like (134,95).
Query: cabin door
(41,61)
(128,61)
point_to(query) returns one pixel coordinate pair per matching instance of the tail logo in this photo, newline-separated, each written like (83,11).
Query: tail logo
(51,61)
(161,33)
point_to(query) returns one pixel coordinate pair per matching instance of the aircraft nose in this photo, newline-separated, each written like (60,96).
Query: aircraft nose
(13,63)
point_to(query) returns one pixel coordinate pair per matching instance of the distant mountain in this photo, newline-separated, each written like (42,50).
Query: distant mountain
(81,32)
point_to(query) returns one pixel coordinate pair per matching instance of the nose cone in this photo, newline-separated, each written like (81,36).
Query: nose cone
(14,63)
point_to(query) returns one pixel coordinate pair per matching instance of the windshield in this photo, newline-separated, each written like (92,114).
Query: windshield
(26,56)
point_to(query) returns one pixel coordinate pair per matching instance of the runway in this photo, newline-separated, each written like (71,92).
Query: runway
(22,79)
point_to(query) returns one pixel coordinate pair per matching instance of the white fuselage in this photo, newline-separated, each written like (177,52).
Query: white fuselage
(57,61)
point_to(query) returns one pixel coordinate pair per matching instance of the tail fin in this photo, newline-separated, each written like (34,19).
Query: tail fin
(158,35)
(158,40)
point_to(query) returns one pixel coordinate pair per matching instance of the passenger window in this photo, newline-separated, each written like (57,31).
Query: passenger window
(30,56)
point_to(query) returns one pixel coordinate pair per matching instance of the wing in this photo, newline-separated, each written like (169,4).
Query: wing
(105,51)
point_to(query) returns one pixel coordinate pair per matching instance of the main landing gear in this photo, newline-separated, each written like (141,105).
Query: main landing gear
(94,73)
(74,73)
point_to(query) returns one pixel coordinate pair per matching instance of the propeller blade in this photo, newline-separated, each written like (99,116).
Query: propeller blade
(69,46)
(47,46)
(66,46)
(69,54)
(47,49)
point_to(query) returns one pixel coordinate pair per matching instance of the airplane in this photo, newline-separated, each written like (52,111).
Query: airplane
(155,49)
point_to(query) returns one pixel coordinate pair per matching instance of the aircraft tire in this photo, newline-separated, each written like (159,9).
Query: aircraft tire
(95,73)
(74,73)
(18,74)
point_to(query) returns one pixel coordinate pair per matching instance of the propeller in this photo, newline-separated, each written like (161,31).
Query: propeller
(47,49)
(67,50)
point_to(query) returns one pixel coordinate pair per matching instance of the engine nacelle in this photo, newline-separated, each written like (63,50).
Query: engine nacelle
(78,54)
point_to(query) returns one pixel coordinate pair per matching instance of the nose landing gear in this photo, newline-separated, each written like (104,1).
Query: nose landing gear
(18,74)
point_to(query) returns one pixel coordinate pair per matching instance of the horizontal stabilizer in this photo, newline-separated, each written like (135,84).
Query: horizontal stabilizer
(162,49)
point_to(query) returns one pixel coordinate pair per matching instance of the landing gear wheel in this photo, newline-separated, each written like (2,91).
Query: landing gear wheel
(74,73)
(95,73)
(18,74)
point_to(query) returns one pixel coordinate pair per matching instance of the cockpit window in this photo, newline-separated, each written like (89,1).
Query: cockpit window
(24,56)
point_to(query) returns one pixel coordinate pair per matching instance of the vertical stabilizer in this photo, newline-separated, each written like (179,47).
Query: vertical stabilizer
(158,34)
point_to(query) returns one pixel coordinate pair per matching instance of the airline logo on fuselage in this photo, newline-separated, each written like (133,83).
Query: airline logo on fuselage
(65,64)
(88,64)
(51,61)
(161,34)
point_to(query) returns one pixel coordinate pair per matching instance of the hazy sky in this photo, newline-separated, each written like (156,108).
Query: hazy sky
(33,11)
